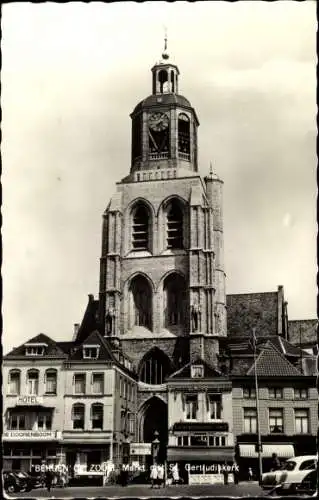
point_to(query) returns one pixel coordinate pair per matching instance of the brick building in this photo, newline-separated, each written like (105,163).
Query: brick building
(159,326)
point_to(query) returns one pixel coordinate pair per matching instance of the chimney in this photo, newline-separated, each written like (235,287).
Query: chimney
(75,331)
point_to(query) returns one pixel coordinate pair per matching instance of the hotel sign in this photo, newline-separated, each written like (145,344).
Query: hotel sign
(30,435)
(29,400)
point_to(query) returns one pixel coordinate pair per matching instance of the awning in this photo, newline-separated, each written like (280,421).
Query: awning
(285,450)
(189,454)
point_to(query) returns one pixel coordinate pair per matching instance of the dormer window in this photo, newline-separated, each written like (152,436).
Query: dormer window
(91,351)
(197,371)
(35,349)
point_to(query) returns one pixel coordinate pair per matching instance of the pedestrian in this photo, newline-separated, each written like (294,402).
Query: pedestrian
(48,479)
(250,474)
(175,474)
(275,462)
(225,473)
(153,475)
(236,472)
(160,475)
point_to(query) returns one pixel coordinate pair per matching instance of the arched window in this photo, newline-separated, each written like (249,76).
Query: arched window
(163,81)
(14,382)
(174,300)
(183,136)
(33,382)
(140,228)
(155,367)
(50,381)
(174,226)
(140,302)
(97,416)
(78,415)
(173,80)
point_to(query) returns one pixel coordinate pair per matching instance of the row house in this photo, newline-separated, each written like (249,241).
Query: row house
(67,404)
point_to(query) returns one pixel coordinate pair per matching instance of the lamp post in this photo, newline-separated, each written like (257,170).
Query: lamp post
(155,447)
(259,445)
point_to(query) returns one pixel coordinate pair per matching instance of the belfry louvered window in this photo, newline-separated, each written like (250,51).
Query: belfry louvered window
(174,226)
(140,228)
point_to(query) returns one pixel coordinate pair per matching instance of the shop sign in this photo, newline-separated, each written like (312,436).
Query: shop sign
(206,479)
(141,448)
(29,400)
(26,435)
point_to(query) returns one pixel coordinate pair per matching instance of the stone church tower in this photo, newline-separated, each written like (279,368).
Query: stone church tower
(162,282)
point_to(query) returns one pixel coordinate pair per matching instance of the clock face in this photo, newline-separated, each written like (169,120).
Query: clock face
(158,122)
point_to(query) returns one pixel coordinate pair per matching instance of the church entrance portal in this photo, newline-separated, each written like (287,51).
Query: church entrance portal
(155,419)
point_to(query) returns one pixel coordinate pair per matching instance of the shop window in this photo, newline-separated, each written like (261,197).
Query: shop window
(33,382)
(14,382)
(191,407)
(250,420)
(51,381)
(98,383)
(97,416)
(276,425)
(249,393)
(78,416)
(140,228)
(79,383)
(302,421)
(275,393)
(301,393)
(174,226)
(199,440)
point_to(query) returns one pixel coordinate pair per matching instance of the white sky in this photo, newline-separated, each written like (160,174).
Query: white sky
(71,75)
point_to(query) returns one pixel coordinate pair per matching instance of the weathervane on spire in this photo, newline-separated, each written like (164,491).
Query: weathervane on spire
(165,53)
(210,169)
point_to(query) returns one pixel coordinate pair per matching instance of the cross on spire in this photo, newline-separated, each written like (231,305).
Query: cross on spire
(165,53)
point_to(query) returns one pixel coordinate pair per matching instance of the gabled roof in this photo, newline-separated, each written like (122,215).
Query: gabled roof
(89,321)
(185,371)
(287,348)
(271,363)
(95,338)
(52,350)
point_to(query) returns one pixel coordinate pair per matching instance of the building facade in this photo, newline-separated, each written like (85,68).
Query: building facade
(163,351)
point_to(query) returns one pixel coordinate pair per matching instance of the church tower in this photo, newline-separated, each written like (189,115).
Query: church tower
(162,282)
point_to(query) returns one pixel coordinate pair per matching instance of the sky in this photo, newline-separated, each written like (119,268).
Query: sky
(71,75)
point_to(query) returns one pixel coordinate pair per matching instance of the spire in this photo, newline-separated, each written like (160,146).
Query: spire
(165,54)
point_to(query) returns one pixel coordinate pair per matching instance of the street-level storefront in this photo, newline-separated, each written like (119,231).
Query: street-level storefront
(248,456)
(28,455)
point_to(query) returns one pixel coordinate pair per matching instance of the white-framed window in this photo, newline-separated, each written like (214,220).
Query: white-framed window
(301,393)
(275,393)
(78,416)
(35,349)
(17,421)
(79,380)
(250,420)
(214,406)
(33,382)
(98,383)
(14,382)
(276,420)
(302,421)
(97,416)
(191,406)
(44,422)
(249,393)
(91,351)
(197,371)
(51,381)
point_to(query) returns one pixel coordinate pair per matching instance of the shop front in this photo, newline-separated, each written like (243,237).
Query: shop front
(248,456)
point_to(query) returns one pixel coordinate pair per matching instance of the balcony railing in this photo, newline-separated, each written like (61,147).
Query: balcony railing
(152,175)
(158,156)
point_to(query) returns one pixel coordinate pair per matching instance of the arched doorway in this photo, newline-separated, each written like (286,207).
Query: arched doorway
(154,418)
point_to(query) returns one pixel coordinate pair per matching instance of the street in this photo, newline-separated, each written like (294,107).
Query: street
(137,491)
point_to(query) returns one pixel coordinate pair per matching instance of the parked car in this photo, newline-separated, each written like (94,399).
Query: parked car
(291,474)
(14,481)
